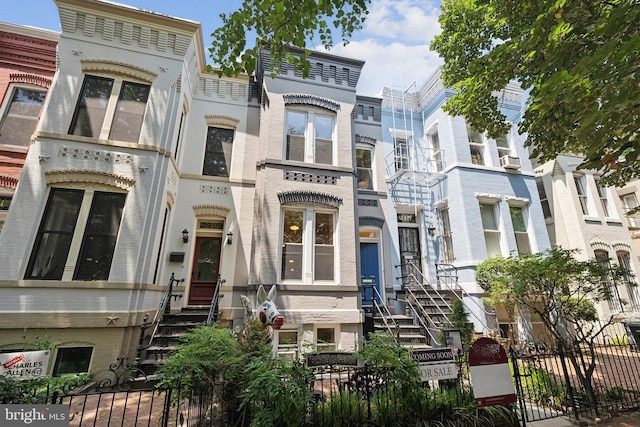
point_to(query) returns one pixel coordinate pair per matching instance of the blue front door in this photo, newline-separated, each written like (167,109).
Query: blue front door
(370,269)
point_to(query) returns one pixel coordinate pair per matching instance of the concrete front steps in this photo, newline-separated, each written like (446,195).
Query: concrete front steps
(172,327)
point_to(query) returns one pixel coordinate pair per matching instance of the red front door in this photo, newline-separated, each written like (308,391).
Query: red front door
(204,275)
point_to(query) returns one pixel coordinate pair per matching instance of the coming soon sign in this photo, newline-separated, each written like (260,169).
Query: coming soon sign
(435,364)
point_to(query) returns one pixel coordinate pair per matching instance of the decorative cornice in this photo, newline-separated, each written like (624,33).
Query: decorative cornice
(8,182)
(31,79)
(517,201)
(118,68)
(621,246)
(599,244)
(109,179)
(365,139)
(217,120)
(371,220)
(171,199)
(489,198)
(311,100)
(309,197)
(211,210)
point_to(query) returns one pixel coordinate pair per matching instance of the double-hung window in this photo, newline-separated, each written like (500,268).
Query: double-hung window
(604,201)
(630,201)
(544,200)
(476,145)
(581,188)
(491,230)
(401,153)
(437,152)
(110,108)
(520,229)
(77,235)
(309,136)
(602,257)
(20,114)
(503,146)
(624,261)
(446,237)
(308,250)
(363,166)
(217,155)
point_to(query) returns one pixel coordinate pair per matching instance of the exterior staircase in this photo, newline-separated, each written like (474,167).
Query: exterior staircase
(168,335)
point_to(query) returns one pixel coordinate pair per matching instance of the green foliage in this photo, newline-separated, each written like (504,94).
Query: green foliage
(542,387)
(35,391)
(278,25)
(459,318)
(389,361)
(615,394)
(579,60)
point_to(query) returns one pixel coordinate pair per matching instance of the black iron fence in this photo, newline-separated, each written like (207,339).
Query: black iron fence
(547,383)
(582,381)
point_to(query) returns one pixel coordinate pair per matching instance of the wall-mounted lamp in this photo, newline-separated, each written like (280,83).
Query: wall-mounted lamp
(431,230)
(185,235)
(229,238)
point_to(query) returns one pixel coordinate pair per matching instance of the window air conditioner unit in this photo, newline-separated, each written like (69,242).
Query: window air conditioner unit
(510,162)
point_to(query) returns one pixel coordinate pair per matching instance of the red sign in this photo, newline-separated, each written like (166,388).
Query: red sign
(490,374)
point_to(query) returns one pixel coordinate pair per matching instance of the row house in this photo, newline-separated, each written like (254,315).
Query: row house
(583,215)
(27,66)
(146,170)
(458,198)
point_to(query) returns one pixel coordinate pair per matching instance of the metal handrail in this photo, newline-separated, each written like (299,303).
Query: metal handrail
(163,308)
(462,291)
(213,308)
(421,320)
(384,315)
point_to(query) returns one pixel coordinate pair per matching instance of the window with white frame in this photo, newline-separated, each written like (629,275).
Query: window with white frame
(581,187)
(544,201)
(326,339)
(437,152)
(502,142)
(288,346)
(20,114)
(604,201)
(476,145)
(630,202)
(110,108)
(309,136)
(217,153)
(520,229)
(602,256)
(491,229)
(364,157)
(401,153)
(624,261)
(77,235)
(446,238)
(308,245)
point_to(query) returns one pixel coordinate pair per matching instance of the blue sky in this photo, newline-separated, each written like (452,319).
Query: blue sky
(394,41)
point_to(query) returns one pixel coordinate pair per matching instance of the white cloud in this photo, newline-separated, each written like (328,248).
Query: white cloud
(408,21)
(394,65)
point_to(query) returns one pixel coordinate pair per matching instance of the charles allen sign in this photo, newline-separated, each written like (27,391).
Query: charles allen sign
(25,365)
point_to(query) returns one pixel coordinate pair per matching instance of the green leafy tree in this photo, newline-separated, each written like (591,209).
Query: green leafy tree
(277,26)
(459,318)
(579,59)
(563,292)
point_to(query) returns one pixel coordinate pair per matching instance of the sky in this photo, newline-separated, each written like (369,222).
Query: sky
(394,41)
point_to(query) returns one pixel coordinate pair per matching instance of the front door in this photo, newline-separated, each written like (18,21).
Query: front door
(370,271)
(204,275)
(410,254)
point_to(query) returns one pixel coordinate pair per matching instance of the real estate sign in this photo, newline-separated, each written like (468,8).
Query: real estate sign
(24,365)
(436,364)
(490,374)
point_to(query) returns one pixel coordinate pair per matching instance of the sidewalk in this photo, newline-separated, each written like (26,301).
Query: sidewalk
(626,419)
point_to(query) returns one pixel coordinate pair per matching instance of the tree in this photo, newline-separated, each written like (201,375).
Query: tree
(579,59)
(278,25)
(563,292)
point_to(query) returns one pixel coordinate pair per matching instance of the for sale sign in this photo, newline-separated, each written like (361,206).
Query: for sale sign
(24,365)
(490,374)
(436,364)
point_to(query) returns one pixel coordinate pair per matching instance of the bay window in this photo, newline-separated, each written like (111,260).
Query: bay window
(308,250)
